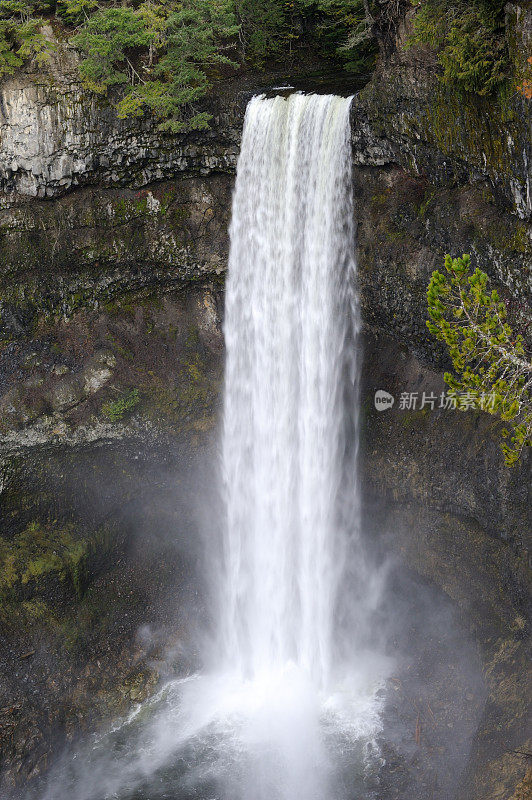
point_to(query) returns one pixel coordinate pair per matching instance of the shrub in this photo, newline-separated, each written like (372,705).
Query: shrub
(164,56)
(21,37)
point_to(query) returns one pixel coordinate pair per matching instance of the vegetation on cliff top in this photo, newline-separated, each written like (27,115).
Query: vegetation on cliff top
(21,36)
(491,362)
(179,43)
(469,38)
(165,54)
(274,28)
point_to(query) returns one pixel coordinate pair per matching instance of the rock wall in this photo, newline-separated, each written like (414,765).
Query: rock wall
(114,246)
(442,174)
(94,245)
(438,497)
(55,136)
(407,116)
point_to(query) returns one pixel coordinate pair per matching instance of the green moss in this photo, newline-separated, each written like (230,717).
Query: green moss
(44,554)
(74,625)
(40,552)
(37,610)
(167,200)
(396,235)
(122,210)
(125,306)
(472,129)
(379,200)
(520,241)
(126,209)
(425,204)
(116,410)
(192,338)
(41,565)
(188,404)
(117,347)
(506,238)
(193,369)
(57,258)
(179,216)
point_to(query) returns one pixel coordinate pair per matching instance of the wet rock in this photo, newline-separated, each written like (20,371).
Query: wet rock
(55,135)
(60,370)
(405,116)
(66,393)
(98,371)
(16,319)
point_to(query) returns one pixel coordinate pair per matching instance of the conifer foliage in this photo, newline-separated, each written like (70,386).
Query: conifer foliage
(491,363)
(159,57)
(161,53)
(469,38)
(21,35)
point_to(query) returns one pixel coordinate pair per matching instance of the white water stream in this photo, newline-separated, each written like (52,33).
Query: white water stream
(290,315)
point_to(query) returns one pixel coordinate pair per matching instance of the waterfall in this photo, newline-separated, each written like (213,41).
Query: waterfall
(291,316)
(291,700)
(288,703)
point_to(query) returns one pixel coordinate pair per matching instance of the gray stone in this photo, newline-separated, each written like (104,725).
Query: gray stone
(66,393)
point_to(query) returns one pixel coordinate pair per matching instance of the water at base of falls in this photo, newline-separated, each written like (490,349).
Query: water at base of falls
(291,707)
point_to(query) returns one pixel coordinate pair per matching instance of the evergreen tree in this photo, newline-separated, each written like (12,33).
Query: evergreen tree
(21,37)
(263,28)
(164,53)
(490,361)
(109,39)
(470,40)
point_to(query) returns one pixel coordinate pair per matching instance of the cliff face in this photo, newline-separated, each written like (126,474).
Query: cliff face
(407,116)
(55,136)
(440,174)
(114,248)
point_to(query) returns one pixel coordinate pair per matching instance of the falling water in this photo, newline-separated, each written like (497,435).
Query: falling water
(290,318)
(290,706)
(290,442)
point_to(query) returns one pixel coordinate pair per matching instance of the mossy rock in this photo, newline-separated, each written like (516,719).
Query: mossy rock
(52,560)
